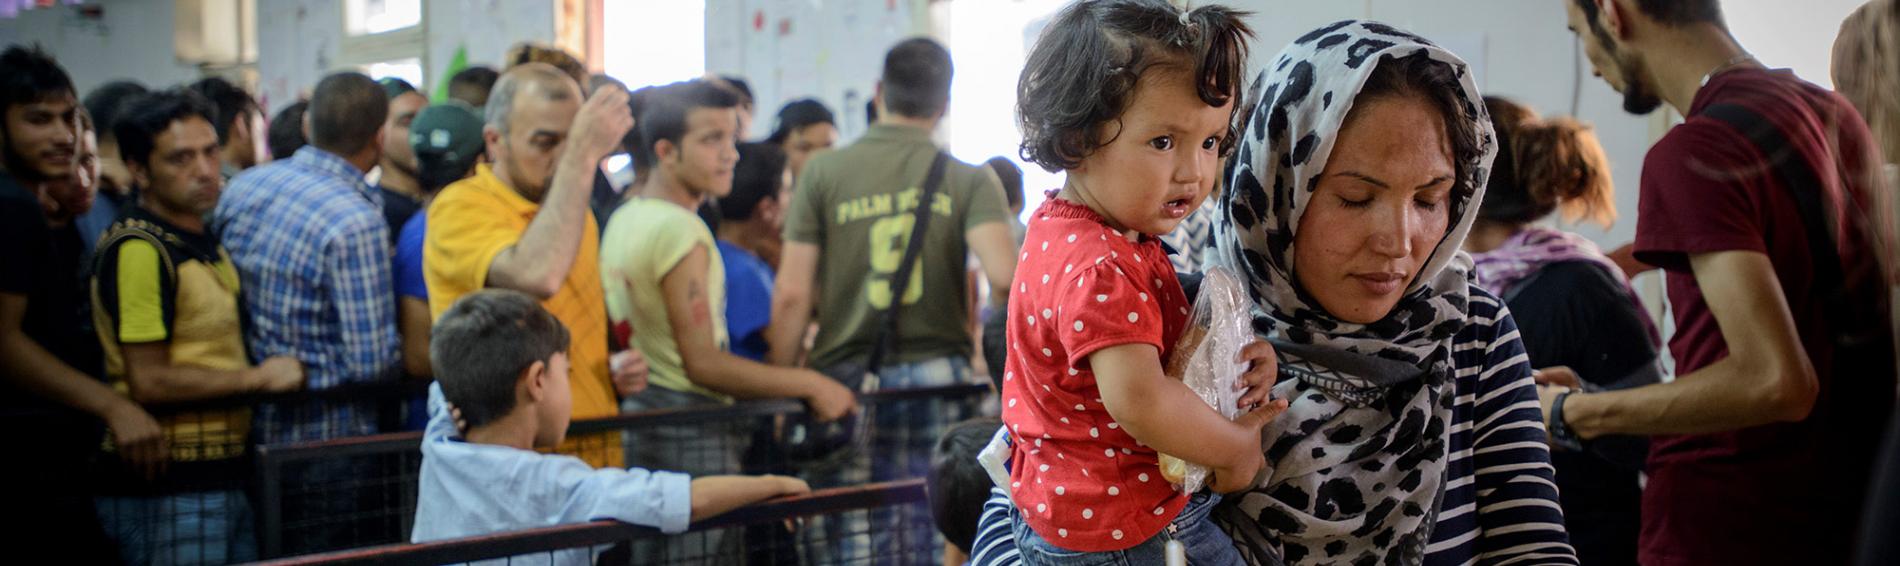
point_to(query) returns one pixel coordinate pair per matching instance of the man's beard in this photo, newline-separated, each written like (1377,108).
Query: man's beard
(1638,97)
(398,166)
(535,190)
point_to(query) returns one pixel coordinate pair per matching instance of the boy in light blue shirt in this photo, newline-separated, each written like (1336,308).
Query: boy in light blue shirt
(501,365)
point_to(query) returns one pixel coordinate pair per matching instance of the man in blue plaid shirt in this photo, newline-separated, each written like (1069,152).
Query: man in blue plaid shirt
(313,252)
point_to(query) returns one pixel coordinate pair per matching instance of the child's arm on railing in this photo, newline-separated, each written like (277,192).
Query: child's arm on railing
(717,495)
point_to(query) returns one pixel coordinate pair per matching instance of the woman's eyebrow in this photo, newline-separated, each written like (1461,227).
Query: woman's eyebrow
(1370,180)
(1434,182)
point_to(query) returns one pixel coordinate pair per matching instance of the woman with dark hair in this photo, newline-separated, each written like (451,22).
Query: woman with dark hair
(1413,434)
(1573,307)
(804,128)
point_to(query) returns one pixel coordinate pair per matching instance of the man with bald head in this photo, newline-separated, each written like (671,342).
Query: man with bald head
(522,223)
(313,258)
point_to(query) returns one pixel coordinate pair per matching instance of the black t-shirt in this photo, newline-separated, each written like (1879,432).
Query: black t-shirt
(604,200)
(1577,314)
(43,264)
(397,209)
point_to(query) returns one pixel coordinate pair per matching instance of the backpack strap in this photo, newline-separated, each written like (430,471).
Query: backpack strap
(887,339)
(105,267)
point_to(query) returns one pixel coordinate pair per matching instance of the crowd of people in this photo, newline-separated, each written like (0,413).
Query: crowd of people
(1440,374)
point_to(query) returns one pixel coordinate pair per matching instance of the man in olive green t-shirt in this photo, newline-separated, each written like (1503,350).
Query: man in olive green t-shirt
(850,221)
(846,232)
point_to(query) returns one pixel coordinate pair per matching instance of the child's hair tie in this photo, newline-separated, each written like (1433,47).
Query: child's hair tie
(1184,19)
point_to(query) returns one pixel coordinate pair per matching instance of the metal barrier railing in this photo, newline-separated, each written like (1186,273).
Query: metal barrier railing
(601,542)
(230,494)
(361,491)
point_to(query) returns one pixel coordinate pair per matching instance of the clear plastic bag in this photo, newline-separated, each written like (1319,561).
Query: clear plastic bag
(1203,359)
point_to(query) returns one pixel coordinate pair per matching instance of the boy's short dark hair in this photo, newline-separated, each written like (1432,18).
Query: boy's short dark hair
(471,85)
(1085,68)
(143,118)
(346,112)
(660,114)
(1012,178)
(394,87)
(108,101)
(957,484)
(29,75)
(917,73)
(740,87)
(760,175)
(228,100)
(480,346)
(798,114)
(285,136)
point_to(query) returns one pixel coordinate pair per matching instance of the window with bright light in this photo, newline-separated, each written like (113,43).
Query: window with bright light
(989,42)
(406,69)
(640,52)
(366,17)
(384,39)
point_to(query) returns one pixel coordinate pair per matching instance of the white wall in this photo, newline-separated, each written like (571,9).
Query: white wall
(791,49)
(132,41)
(301,40)
(486,27)
(297,41)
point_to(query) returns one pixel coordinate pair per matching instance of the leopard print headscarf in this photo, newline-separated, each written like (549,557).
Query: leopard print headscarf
(1356,464)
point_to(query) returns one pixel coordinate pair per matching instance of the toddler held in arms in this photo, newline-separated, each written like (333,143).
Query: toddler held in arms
(1134,100)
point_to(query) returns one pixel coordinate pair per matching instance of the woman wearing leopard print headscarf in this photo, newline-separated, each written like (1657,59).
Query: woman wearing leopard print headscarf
(1413,435)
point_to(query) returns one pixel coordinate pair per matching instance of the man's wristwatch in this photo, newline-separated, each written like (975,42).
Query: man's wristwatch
(1560,433)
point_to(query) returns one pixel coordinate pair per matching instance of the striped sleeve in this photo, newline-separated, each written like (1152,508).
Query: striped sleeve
(995,545)
(1519,519)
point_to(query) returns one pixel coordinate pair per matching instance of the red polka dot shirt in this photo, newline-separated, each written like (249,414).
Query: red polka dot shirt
(1081,481)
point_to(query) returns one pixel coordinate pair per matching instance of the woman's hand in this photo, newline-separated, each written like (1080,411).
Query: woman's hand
(1262,371)
(1241,476)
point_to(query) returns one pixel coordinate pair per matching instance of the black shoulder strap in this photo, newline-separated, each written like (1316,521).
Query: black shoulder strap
(1800,180)
(105,264)
(900,281)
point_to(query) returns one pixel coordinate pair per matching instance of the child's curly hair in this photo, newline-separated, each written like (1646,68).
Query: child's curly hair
(1084,69)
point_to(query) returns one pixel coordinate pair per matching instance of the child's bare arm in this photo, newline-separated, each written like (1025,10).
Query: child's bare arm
(717,495)
(1168,417)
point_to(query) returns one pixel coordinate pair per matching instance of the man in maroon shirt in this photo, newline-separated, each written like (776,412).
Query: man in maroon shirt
(1763,442)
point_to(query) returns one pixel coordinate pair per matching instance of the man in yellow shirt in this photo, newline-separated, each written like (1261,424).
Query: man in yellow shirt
(165,306)
(523,224)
